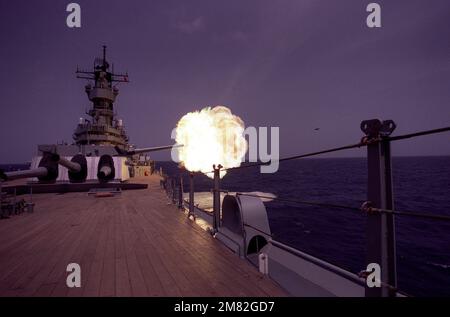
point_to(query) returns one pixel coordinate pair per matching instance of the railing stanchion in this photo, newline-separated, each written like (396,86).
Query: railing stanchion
(191,195)
(380,226)
(180,193)
(174,189)
(216,198)
(1,197)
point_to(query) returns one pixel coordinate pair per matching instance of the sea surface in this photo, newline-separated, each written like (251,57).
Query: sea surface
(421,184)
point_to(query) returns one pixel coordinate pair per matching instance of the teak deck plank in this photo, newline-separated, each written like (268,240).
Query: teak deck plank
(133,244)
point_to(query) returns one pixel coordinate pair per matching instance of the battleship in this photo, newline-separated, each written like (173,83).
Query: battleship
(100,203)
(100,152)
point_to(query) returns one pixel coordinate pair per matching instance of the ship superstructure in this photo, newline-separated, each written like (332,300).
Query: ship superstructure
(104,128)
(100,150)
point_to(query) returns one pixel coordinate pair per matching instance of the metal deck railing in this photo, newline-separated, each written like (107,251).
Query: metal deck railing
(378,208)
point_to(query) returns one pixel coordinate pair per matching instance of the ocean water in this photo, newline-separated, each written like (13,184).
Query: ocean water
(338,236)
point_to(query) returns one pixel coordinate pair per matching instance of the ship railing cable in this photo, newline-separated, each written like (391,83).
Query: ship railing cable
(361,275)
(290,158)
(366,207)
(416,134)
(372,210)
(364,142)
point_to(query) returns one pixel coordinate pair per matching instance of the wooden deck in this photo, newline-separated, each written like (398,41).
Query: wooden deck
(134,244)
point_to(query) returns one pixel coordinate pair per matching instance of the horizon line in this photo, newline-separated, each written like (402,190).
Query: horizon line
(306,158)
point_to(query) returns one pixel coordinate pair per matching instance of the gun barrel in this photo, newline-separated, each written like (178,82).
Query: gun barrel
(146,150)
(154,149)
(36,172)
(71,166)
(105,172)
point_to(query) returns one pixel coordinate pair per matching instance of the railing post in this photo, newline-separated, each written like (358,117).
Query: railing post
(216,198)
(14,200)
(380,226)
(1,196)
(180,191)
(191,195)
(174,190)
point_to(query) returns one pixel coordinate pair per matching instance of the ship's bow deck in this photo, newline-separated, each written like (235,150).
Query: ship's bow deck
(133,244)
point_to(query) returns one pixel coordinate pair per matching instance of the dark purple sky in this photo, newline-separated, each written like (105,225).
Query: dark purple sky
(293,64)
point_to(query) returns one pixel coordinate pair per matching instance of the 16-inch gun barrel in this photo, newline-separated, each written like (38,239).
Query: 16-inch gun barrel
(36,172)
(70,165)
(121,151)
(77,167)
(47,171)
(106,170)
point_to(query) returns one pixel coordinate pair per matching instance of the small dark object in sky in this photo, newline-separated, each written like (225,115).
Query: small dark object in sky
(316,129)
